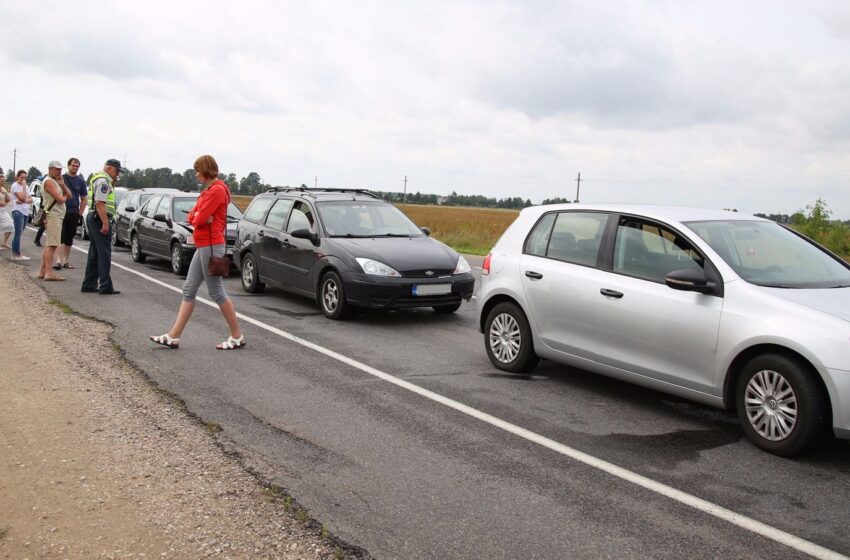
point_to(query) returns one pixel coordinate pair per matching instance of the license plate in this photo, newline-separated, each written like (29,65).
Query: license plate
(431,289)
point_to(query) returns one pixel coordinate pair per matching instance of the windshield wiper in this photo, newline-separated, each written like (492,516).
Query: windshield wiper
(785,286)
(351,236)
(841,286)
(391,235)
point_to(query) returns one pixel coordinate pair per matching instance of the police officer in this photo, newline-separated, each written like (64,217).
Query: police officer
(99,226)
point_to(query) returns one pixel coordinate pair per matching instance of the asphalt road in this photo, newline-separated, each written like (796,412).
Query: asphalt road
(407,474)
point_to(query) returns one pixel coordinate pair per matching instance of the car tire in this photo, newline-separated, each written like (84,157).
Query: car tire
(136,249)
(446,308)
(115,241)
(781,404)
(251,275)
(332,297)
(179,266)
(507,339)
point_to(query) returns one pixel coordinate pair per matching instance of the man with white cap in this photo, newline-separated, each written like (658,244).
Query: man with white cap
(99,226)
(54,193)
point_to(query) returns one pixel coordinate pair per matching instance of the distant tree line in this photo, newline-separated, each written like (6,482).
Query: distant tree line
(455,199)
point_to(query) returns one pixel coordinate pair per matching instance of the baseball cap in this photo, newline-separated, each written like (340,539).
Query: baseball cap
(116,164)
(56,164)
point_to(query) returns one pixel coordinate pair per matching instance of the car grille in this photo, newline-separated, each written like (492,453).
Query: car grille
(423,273)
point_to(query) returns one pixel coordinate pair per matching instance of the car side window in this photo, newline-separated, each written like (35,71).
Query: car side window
(258,209)
(277,215)
(576,237)
(651,251)
(538,240)
(300,218)
(165,207)
(150,207)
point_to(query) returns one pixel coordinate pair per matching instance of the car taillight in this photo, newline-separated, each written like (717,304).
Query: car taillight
(485,268)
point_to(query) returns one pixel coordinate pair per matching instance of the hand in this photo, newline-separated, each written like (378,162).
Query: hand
(104,230)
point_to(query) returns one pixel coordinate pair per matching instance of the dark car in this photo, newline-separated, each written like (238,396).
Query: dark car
(126,210)
(348,249)
(159,229)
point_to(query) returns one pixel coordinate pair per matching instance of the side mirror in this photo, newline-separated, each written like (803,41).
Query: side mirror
(689,280)
(129,209)
(159,217)
(304,233)
(426,231)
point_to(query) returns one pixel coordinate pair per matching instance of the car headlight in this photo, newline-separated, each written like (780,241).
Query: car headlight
(376,268)
(462,266)
(190,239)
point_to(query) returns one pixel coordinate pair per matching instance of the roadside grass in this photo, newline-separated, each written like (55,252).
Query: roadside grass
(61,306)
(213,428)
(3,532)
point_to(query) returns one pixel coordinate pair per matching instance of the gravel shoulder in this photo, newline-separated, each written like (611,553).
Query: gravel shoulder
(95,462)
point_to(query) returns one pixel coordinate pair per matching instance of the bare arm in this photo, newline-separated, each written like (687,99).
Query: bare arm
(57,192)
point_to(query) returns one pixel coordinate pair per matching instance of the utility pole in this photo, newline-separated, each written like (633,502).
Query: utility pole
(404,195)
(316,182)
(578,185)
(15,160)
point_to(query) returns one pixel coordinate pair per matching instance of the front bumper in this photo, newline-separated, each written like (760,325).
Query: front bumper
(377,292)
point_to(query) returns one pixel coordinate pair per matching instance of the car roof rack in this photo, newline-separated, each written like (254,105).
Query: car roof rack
(312,190)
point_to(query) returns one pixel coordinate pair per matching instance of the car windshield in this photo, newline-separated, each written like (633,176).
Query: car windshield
(349,218)
(182,207)
(769,255)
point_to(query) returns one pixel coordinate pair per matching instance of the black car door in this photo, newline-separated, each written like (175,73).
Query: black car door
(145,224)
(163,228)
(299,255)
(270,238)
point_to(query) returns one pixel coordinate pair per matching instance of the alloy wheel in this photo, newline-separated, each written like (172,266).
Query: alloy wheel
(505,338)
(248,272)
(771,405)
(330,295)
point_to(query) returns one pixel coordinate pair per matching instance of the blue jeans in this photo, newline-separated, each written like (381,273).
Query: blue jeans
(20,221)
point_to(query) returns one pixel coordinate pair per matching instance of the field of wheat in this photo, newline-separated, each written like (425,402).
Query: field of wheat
(467,230)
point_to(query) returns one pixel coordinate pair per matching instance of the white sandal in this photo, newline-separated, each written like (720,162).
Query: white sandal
(231,343)
(166,340)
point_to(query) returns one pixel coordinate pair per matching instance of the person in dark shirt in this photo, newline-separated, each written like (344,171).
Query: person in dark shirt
(73,209)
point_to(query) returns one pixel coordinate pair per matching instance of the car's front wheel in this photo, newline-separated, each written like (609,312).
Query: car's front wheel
(136,249)
(781,404)
(507,339)
(251,275)
(179,266)
(332,297)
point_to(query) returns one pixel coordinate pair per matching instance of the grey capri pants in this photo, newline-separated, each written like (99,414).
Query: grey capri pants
(197,273)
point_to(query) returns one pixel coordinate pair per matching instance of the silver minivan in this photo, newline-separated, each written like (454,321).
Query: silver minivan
(733,311)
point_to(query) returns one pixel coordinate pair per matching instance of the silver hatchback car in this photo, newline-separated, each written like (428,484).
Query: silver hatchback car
(729,310)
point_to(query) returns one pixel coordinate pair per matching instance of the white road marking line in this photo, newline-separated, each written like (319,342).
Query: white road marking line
(705,506)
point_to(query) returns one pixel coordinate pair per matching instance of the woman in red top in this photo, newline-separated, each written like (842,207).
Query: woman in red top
(209,220)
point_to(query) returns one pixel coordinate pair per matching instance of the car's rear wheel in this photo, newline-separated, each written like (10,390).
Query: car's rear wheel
(179,265)
(781,404)
(251,275)
(332,297)
(447,308)
(507,339)
(136,249)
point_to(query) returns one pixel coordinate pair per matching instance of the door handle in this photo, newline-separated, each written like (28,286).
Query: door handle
(611,293)
(260,233)
(285,241)
(533,275)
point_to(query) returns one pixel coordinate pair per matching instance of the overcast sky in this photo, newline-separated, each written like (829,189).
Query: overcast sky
(715,104)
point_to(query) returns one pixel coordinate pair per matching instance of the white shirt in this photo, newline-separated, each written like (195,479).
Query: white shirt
(22,207)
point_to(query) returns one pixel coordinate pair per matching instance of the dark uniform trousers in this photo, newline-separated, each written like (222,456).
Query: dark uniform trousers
(99,261)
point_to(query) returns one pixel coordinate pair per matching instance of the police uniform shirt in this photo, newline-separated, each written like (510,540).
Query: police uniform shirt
(101,190)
